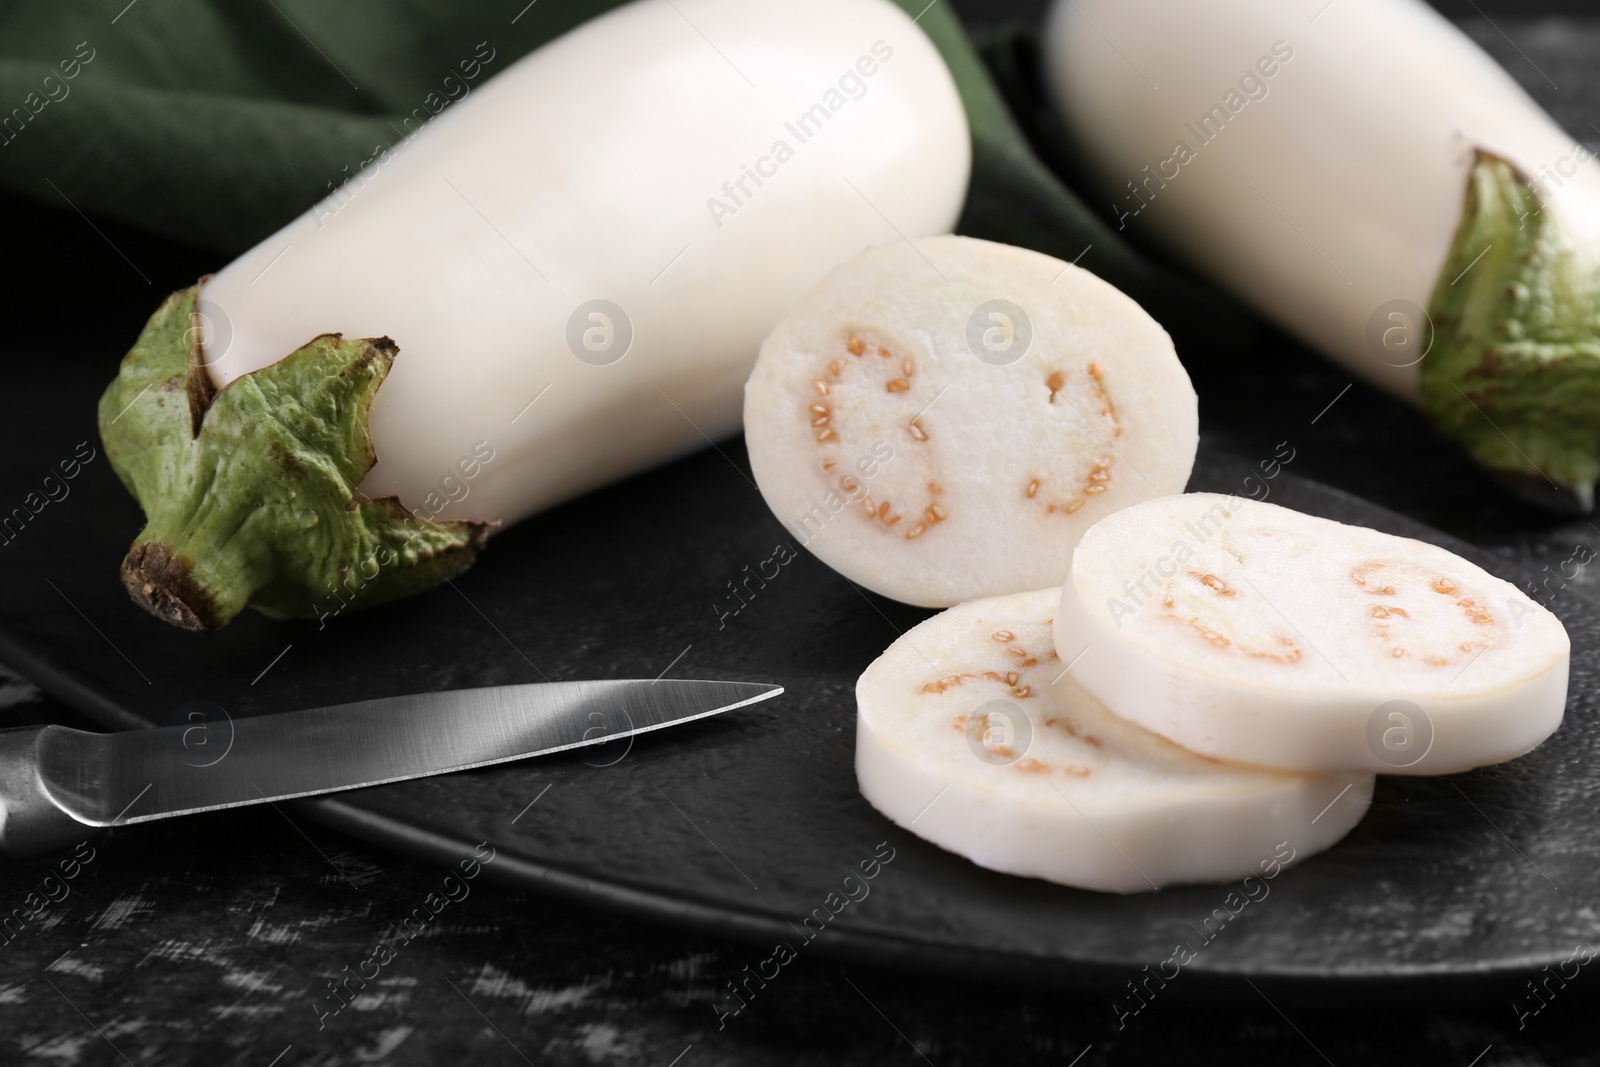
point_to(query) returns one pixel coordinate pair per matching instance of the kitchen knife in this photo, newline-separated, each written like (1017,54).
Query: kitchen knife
(58,785)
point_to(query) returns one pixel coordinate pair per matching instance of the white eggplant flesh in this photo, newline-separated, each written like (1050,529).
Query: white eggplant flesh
(1246,631)
(570,270)
(970,734)
(941,419)
(1364,175)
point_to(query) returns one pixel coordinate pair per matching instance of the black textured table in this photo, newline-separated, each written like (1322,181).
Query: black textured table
(213,939)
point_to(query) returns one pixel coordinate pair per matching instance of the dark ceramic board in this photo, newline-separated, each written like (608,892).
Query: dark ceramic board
(743,824)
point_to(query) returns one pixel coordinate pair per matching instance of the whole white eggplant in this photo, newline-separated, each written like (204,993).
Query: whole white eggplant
(576,265)
(1363,174)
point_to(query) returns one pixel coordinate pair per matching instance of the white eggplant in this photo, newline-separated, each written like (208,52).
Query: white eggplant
(576,264)
(970,734)
(940,420)
(1364,175)
(1247,631)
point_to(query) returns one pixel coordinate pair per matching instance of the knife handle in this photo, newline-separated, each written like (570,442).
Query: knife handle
(31,824)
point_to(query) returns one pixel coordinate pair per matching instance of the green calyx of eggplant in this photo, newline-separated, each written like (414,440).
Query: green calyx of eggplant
(249,492)
(1513,374)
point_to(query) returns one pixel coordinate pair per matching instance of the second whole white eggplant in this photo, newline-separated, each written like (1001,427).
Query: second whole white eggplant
(570,273)
(1364,175)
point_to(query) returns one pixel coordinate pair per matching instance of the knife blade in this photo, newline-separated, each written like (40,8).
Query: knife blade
(57,783)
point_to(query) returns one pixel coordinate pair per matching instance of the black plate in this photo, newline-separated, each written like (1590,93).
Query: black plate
(745,824)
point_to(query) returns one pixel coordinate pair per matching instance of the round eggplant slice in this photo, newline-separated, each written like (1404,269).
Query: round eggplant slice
(1247,631)
(971,734)
(940,420)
